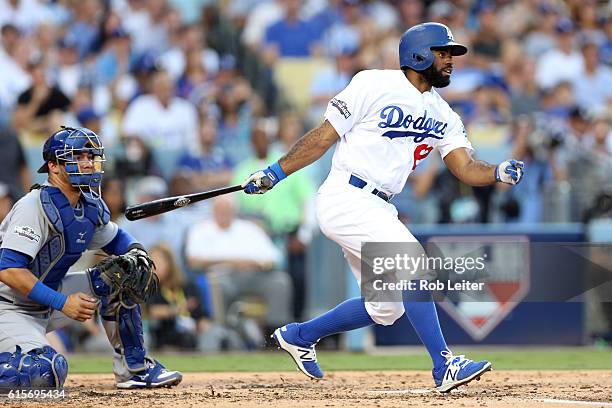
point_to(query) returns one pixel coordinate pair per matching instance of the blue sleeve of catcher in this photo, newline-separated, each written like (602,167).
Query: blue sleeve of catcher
(122,243)
(13,259)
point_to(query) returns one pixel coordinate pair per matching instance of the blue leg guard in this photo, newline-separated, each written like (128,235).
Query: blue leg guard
(38,368)
(123,323)
(129,322)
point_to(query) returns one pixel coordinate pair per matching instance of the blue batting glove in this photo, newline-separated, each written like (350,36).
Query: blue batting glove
(510,172)
(264,180)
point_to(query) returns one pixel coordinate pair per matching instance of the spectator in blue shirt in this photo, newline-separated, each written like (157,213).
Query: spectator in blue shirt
(291,36)
(208,167)
(85,26)
(114,60)
(329,81)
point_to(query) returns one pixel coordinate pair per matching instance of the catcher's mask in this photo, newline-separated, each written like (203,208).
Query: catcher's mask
(65,146)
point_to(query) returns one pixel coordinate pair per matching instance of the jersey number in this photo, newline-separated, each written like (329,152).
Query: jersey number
(420,153)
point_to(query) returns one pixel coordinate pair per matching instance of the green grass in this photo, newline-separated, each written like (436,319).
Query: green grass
(569,359)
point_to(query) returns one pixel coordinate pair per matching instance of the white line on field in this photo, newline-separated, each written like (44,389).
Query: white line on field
(561,401)
(546,400)
(413,391)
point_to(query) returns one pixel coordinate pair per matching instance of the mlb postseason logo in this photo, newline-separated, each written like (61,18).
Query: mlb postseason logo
(341,106)
(27,233)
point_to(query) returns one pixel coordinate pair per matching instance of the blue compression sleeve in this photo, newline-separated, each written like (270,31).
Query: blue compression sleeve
(44,295)
(120,244)
(13,259)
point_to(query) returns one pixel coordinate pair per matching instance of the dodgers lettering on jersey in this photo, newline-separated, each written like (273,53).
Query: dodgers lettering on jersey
(394,118)
(387,127)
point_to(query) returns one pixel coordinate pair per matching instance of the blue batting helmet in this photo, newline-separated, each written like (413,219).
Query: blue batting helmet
(416,44)
(64,146)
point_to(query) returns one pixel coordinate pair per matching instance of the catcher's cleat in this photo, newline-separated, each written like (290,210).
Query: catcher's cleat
(154,376)
(458,370)
(303,353)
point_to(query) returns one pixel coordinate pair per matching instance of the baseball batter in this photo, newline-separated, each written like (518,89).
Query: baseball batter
(45,233)
(384,124)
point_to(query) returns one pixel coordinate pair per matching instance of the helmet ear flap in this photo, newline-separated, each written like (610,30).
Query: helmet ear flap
(418,58)
(422,59)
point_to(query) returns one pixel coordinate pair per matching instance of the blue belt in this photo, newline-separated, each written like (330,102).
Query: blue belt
(359,183)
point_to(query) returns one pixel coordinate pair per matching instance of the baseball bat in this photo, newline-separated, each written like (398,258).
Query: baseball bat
(151,208)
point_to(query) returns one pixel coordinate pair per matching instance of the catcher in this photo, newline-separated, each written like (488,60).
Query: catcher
(44,234)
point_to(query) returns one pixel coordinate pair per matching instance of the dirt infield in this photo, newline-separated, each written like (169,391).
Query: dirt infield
(516,389)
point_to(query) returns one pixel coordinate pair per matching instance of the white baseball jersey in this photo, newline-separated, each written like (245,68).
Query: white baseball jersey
(387,127)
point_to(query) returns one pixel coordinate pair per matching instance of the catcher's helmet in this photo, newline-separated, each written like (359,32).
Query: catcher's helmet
(64,146)
(416,44)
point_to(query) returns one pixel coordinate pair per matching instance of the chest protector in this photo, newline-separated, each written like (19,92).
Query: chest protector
(70,235)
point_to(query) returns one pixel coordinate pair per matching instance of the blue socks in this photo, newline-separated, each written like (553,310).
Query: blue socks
(351,314)
(348,315)
(421,311)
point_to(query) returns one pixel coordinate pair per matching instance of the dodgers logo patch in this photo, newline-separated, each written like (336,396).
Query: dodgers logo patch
(27,232)
(341,106)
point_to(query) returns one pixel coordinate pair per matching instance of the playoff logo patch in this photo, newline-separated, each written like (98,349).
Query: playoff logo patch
(27,232)
(341,106)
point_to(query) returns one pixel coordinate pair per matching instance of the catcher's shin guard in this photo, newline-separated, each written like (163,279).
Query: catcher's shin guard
(123,324)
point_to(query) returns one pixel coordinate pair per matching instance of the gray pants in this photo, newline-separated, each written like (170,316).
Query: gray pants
(18,327)
(273,287)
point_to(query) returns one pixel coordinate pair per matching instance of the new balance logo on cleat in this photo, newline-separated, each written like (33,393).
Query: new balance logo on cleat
(305,356)
(451,373)
(457,371)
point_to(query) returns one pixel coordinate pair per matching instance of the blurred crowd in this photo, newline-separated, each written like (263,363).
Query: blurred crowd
(194,95)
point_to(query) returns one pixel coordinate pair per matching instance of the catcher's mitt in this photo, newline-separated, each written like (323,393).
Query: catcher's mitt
(130,274)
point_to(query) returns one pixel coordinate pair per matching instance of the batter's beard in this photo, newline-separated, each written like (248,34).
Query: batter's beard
(435,78)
